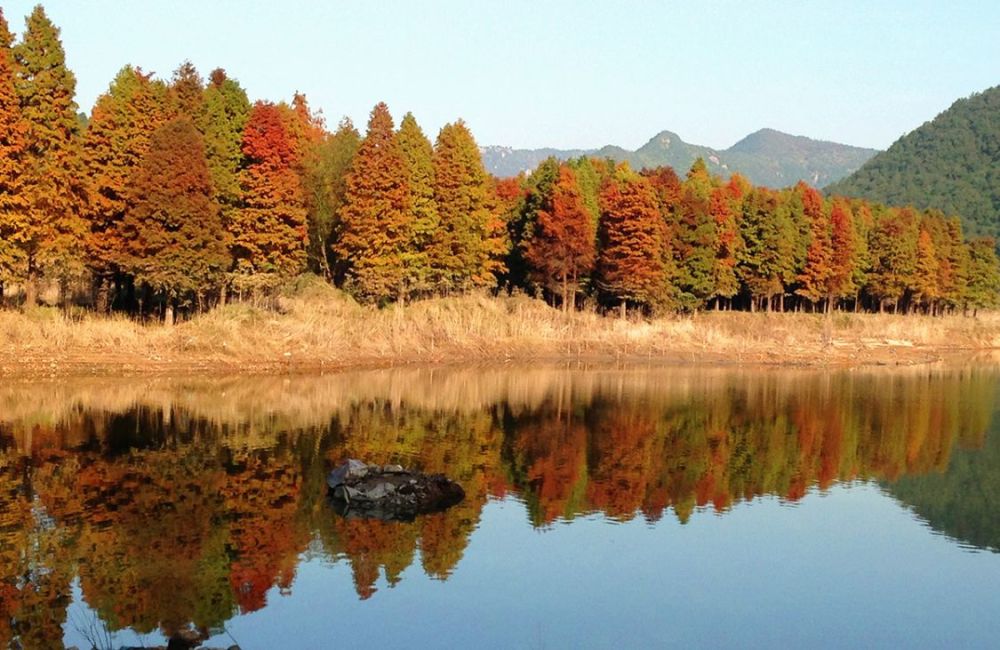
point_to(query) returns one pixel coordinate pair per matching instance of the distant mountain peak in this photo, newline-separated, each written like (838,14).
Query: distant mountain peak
(766,157)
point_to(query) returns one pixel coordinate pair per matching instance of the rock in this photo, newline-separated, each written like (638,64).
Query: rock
(346,473)
(389,492)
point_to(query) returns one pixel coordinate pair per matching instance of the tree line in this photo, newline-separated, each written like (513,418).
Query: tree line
(177,194)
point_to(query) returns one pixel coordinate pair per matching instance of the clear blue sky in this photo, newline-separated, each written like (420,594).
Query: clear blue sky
(563,73)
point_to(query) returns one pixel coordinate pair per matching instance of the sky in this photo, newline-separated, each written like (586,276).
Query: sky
(563,74)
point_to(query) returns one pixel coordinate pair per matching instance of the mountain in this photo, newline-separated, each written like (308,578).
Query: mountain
(962,502)
(951,163)
(767,157)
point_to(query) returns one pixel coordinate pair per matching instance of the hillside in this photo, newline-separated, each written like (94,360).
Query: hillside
(766,157)
(951,163)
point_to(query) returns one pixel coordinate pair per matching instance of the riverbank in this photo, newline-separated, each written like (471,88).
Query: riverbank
(320,328)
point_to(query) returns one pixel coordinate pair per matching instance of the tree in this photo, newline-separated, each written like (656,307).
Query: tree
(536,197)
(14,206)
(186,91)
(814,280)
(175,239)
(893,248)
(53,172)
(326,190)
(269,229)
(725,206)
(843,254)
(376,219)
(631,263)
(418,154)
(984,275)
(695,239)
(766,262)
(470,243)
(925,278)
(562,248)
(224,112)
(117,138)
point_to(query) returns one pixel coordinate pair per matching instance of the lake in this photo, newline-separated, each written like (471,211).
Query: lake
(605,507)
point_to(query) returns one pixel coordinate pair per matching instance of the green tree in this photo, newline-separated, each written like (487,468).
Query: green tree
(984,275)
(175,239)
(326,191)
(224,112)
(766,261)
(893,247)
(418,154)
(54,177)
(695,239)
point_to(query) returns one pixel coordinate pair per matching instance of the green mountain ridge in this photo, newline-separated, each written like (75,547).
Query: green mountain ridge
(950,163)
(766,157)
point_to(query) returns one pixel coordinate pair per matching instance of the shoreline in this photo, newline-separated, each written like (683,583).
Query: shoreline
(322,330)
(49,366)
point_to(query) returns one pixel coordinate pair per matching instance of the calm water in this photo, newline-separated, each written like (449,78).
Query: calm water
(605,508)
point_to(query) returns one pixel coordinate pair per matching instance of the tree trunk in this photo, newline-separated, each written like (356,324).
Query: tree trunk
(565,295)
(623,308)
(103,301)
(168,314)
(31,290)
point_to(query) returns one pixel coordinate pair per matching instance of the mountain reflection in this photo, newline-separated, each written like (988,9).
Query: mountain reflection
(184,502)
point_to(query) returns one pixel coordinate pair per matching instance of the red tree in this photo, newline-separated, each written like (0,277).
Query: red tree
(631,263)
(269,231)
(561,249)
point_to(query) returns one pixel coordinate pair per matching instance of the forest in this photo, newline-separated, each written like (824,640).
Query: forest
(173,196)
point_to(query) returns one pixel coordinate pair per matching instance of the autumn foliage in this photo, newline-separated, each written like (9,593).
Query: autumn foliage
(392,217)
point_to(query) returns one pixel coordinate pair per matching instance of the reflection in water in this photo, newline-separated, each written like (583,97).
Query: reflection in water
(180,503)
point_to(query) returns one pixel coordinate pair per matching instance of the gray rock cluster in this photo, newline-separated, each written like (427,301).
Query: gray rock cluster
(389,492)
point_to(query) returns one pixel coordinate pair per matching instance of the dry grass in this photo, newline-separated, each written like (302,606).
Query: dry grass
(317,325)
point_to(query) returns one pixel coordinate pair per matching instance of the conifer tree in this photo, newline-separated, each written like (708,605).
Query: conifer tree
(893,249)
(953,270)
(14,206)
(537,197)
(814,280)
(695,239)
(116,140)
(186,91)
(767,256)
(925,277)
(326,189)
(984,275)
(562,250)
(418,154)
(224,112)
(175,242)
(376,218)
(269,230)
(53,171)
(726,205)
(844,253)
(631,262)
(470,242)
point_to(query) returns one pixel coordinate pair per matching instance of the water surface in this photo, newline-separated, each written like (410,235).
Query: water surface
(605,507)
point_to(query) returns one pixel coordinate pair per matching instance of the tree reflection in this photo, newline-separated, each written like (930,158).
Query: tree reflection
(176,507)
